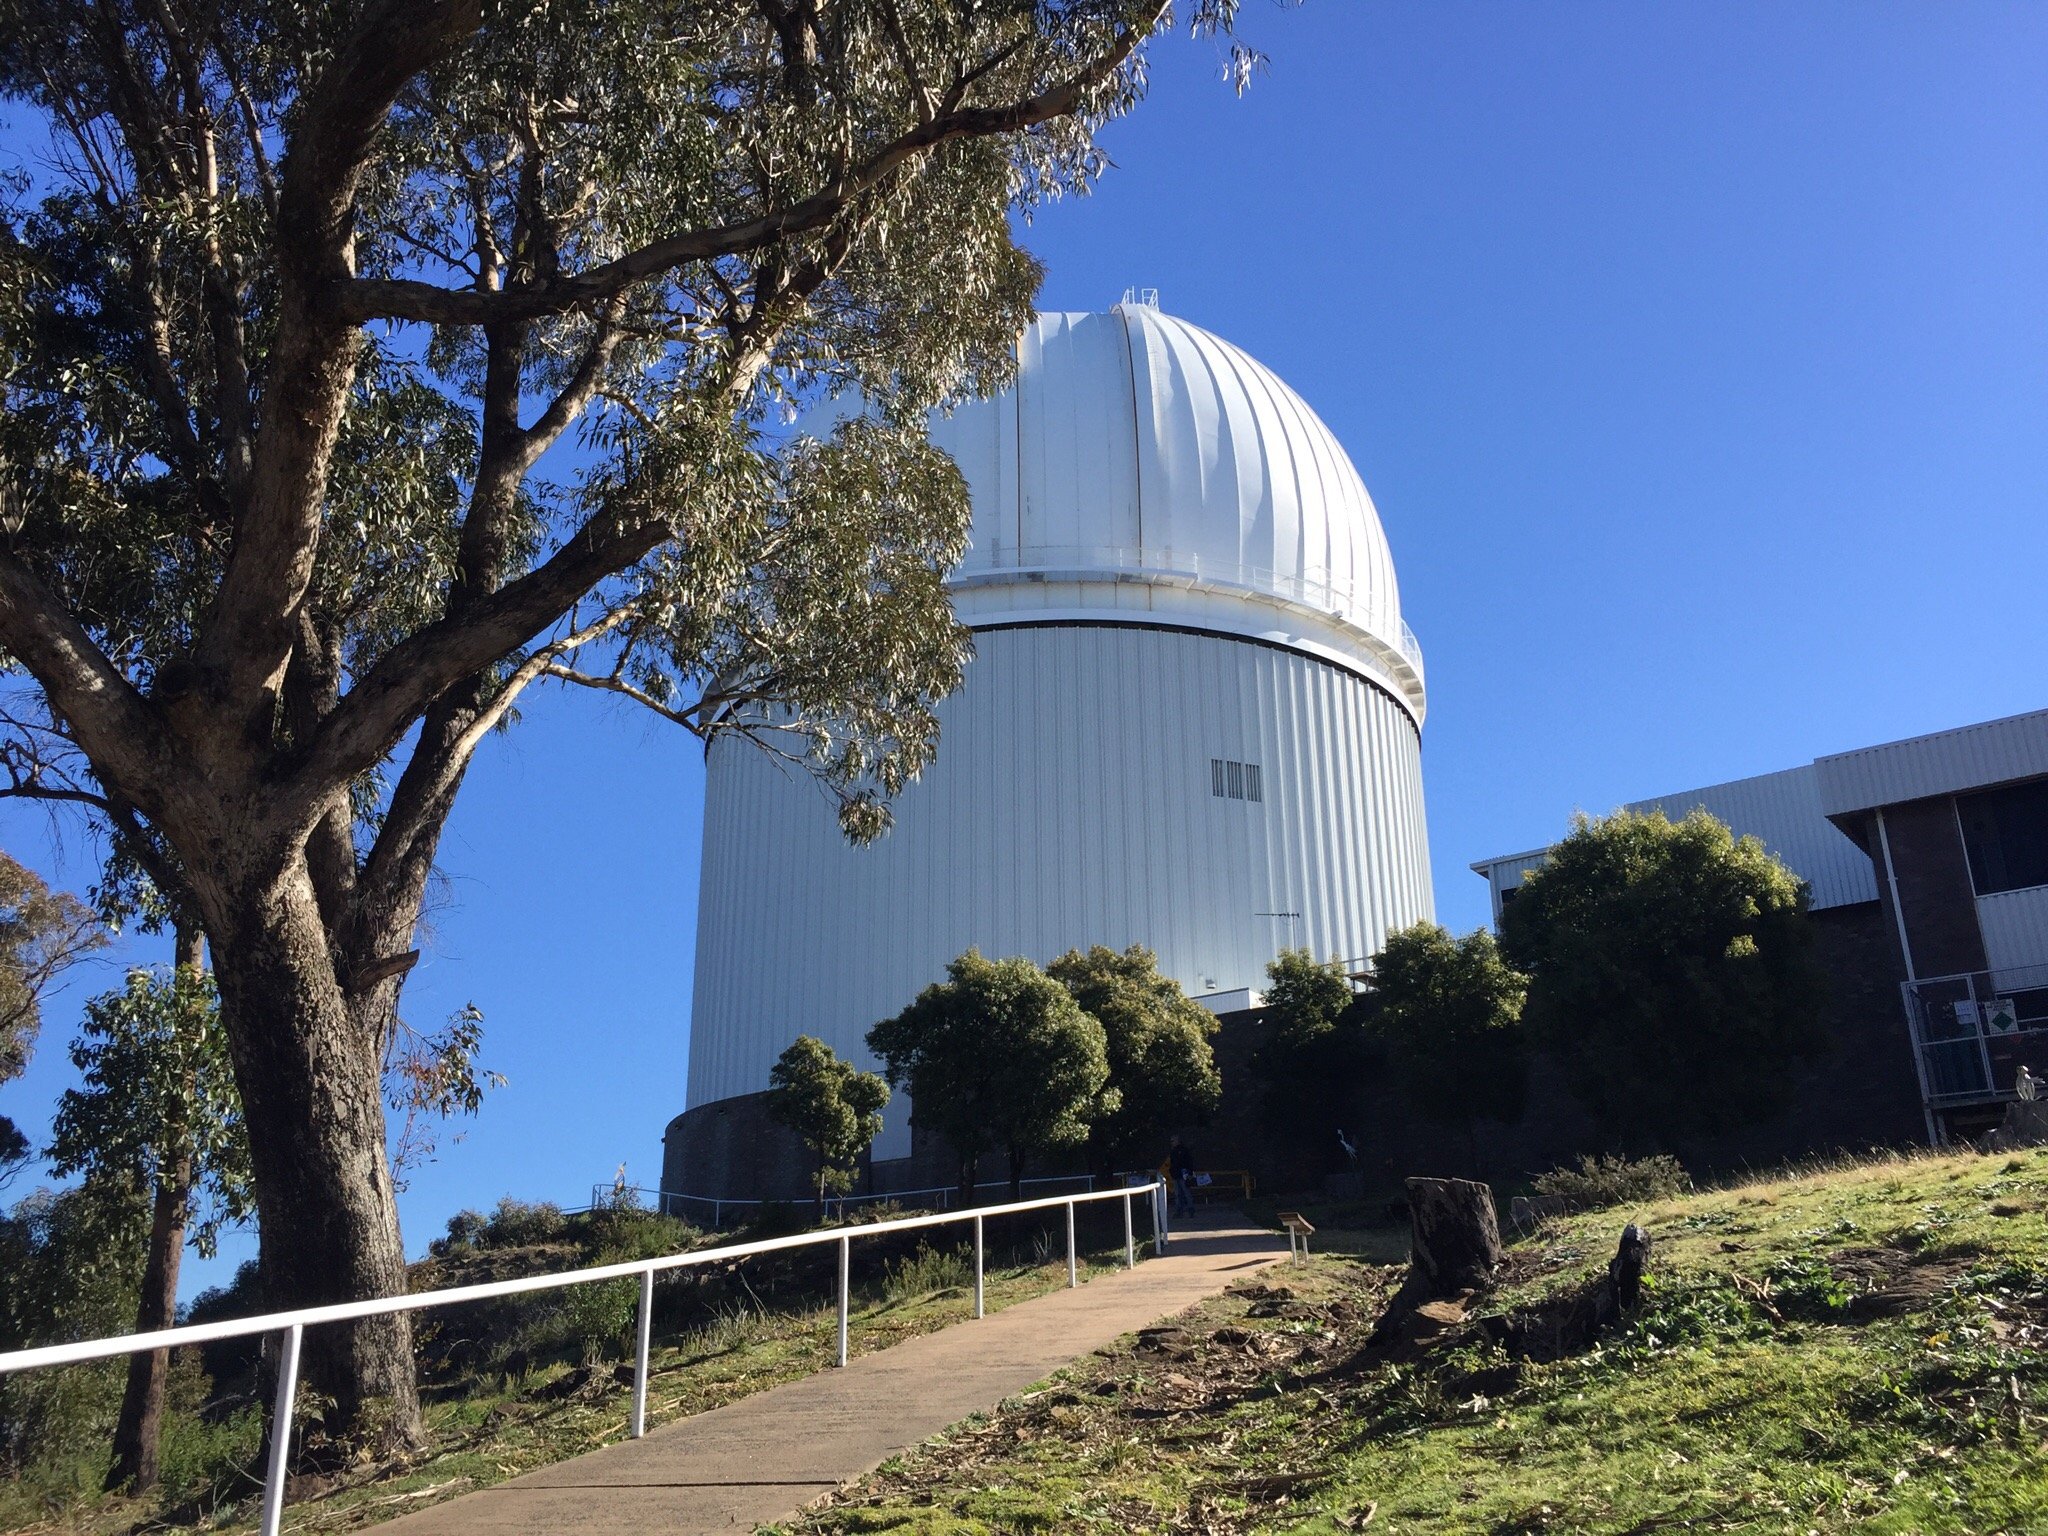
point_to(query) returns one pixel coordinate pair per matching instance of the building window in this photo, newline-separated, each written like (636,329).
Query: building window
(2006,834)
(1235,781)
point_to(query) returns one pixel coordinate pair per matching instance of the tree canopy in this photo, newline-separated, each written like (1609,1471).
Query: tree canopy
(364,367)
(156,1104)
(1162,1071)
(1313,1058)
(1671,972)
(997,1057)
(1449,1023)
(43,933)
(157,1113)
(833,1106)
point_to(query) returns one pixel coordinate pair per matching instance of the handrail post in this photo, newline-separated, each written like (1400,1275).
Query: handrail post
(980,1308)
(1073,1270)
(281,1428)
(845,1270)
(1158,1219)
(646,1338)
(1130,1239)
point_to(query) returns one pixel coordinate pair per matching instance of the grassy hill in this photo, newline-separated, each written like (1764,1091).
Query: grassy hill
(1859,1349)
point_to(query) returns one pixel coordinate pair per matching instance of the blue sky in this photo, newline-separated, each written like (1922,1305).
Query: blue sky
(1696,356)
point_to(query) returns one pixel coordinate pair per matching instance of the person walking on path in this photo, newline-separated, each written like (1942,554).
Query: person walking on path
(1180,1164)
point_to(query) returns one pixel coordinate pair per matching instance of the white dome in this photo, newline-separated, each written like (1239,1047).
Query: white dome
(1145,471)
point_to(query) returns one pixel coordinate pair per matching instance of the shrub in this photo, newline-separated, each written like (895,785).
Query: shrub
(523,1224)
(207,1456)
(594,1319)
(1611,1180)
(617,1233)
(466,1230)
(927,1270)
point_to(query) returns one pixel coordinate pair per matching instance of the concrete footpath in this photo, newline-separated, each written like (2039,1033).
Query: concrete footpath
(766,1456)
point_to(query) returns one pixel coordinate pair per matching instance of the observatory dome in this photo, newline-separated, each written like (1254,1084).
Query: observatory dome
(1144,466)
(1193,721)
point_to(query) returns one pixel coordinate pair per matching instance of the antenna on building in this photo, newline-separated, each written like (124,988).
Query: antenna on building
(1292,919)
(1147,298)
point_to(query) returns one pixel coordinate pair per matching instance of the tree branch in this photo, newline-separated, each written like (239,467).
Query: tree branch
(117,728)
(367,299)
(248,633)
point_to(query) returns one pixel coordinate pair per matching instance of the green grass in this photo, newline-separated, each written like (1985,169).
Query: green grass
(1861,1348)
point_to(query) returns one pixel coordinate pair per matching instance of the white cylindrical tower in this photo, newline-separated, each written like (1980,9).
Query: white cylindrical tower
(1192,722)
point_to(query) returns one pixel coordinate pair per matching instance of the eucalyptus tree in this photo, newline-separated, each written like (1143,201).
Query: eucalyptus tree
(43,933)
(156,1111)
(366,364)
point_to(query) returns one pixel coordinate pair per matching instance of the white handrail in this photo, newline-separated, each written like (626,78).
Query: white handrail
(293,1324)
(420,1301)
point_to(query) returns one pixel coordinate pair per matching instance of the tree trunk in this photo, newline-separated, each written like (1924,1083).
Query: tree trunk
(1456,1241)
(312,1094)
(140,1425)
(142,1403)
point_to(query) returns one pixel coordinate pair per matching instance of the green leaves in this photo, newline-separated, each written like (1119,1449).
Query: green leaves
(1450,1022)
(431,1078)
(998,1055)
(1162,1072)
(43,933)
(157,1105)
(832,1105)
(1670,971)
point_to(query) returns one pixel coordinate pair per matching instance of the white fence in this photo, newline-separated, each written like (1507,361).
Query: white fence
(290,1327)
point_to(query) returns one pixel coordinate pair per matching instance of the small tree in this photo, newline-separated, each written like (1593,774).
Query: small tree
(1314,1054)
(43,933)
(1162,1070)
(999,1055)
(1450,1023)
(158,1111)
(1671,972)
(70,1261)
(833,1106)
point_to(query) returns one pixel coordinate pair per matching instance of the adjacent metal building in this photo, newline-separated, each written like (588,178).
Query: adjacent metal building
(1927,860)
(1192,722)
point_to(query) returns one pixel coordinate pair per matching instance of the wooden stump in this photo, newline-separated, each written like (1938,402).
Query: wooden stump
(1456,1237)
(1625,1269)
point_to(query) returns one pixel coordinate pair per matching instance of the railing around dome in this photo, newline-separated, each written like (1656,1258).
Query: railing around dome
(1350,603)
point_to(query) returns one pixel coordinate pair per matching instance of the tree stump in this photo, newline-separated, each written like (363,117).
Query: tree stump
(1456,1237)
(1625,1269)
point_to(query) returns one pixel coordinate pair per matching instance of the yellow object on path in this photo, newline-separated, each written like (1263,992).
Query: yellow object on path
(763,1458)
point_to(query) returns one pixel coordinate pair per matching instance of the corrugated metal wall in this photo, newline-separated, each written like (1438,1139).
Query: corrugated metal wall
(1994,752)
(1783,810)
(2015,928)
(1071,804)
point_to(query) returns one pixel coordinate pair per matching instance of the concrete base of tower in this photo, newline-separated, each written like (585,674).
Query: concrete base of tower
(732,1151)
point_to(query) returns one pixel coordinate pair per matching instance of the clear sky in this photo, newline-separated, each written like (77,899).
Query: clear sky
(1695,354)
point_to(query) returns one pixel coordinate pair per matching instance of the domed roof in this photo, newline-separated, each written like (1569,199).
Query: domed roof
(1143,470)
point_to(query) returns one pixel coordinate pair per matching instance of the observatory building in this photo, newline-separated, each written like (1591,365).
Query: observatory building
(1192,722)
